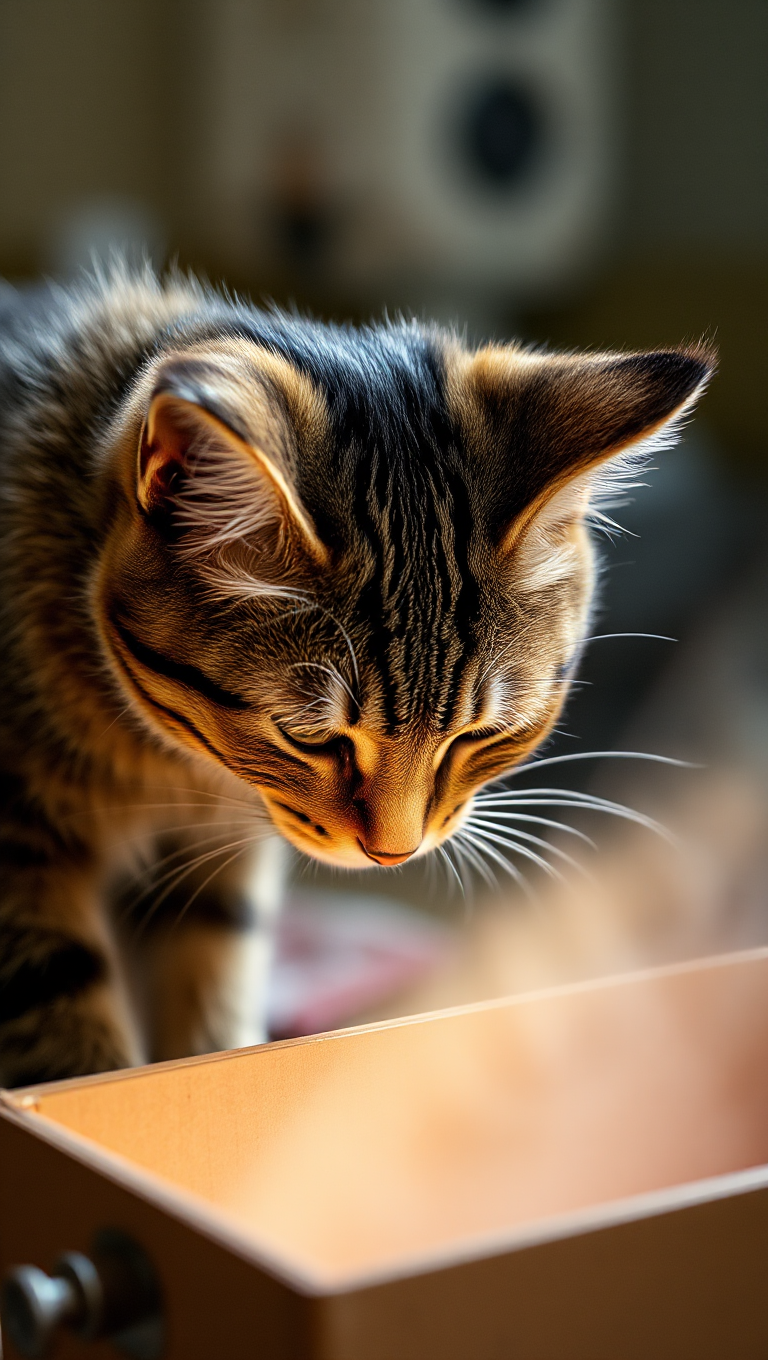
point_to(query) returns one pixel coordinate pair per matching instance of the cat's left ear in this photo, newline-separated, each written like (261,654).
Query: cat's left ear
(543,426)
(216,460)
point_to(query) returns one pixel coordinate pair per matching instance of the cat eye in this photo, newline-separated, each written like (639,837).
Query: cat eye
(329,747)
(466,741)
(467,747)
(481,734)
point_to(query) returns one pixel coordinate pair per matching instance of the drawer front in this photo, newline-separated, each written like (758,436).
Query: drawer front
(217,1306)
(689,1284)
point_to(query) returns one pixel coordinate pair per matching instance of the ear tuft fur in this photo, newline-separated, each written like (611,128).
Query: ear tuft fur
(215,458)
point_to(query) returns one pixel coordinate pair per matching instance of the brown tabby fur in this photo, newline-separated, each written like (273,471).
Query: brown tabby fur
(257,572)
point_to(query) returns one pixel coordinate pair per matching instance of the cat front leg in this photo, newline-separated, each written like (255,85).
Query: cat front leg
(267,885)
(204,956)
(63,1010)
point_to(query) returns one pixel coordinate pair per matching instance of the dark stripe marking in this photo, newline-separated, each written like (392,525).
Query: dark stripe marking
(46,965)
(177,717)
(180,671)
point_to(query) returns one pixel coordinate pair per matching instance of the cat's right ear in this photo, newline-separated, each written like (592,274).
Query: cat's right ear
(212,464)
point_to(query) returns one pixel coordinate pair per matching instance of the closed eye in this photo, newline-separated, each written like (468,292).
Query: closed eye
(333,746)
(467,741)
(483,734)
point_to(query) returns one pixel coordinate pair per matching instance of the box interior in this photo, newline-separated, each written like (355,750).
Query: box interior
(351,1153)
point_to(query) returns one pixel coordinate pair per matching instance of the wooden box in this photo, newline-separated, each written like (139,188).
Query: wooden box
(574,1173)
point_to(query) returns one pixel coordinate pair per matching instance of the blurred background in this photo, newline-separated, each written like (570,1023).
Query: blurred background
(575,172)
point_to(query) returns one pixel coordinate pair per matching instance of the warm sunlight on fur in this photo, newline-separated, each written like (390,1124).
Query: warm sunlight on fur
(364,747)
(264,574)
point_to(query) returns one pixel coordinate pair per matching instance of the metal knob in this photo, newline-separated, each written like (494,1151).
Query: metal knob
(34,1306)
(116,1294)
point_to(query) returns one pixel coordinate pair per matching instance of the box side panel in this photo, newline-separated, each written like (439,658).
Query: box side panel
(687,1285)
(217,1305)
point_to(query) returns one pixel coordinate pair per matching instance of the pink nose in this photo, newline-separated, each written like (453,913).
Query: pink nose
(387,857)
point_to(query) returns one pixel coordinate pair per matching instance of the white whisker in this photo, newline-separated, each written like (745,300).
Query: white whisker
(236,582)
(603,637)
(600,755)
(534,840)
(592,804)
(202,886)
(475,860)
(511,844)
(176,877)
(204,793)
(157,863)
(446,859)
(483,848)
(329,670)
(542,821)
(452,850)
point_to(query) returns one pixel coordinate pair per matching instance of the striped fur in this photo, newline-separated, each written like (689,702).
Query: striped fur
(261,574)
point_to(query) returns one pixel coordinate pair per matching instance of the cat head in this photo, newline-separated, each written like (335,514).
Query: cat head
(355,567)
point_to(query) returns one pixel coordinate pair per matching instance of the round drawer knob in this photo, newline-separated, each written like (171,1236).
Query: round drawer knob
(114,1293)
(34,1306)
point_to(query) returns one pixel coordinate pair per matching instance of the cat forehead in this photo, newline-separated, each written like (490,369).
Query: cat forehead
(399,387)
(381,387)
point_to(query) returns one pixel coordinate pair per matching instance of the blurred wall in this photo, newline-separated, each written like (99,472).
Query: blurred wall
(99,104)
(690,249)
(103,101)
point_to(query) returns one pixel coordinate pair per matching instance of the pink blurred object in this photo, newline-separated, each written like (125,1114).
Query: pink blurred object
(340,954)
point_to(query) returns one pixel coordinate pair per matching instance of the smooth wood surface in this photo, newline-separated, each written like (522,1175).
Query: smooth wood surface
(357,1154)
(578,1175)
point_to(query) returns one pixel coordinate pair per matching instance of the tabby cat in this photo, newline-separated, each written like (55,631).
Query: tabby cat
(259,574)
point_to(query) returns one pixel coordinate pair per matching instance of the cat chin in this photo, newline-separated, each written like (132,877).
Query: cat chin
(354,860)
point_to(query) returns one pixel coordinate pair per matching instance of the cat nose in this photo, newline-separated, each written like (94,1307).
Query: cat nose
(387,857)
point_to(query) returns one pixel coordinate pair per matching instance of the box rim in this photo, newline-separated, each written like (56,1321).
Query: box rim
(18,1107)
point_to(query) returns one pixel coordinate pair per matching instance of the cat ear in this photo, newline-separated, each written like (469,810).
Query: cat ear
(547,428)
(214,460)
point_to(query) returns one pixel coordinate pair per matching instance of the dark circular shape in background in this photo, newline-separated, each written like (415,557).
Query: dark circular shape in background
(500,7)
(501,133)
